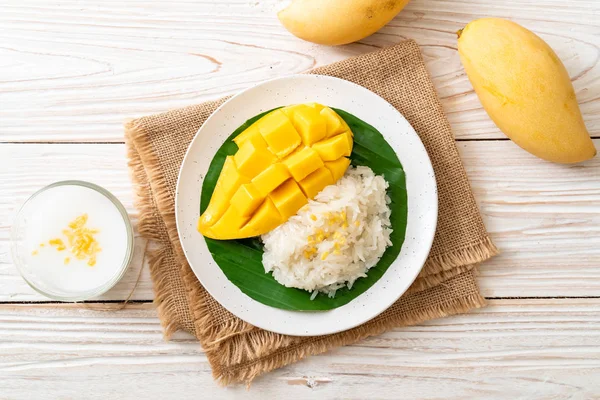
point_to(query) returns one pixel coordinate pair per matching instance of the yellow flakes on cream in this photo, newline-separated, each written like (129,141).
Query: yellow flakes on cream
(82,242)
(58,243)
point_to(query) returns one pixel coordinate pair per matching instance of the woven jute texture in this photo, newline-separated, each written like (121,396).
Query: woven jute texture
(239,352)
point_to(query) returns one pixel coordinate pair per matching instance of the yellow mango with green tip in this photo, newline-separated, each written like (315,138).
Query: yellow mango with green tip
(525,89)
(284,159)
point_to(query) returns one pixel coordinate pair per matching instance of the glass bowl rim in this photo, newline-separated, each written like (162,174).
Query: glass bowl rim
(81,296)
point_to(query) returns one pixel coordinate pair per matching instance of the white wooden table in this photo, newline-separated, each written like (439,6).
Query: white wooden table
(72,71)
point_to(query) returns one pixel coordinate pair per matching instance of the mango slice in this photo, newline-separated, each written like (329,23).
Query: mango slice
(338,167)
(334,123)
(252,134)
(247,199)
(283,159)
(252,159)
(271,178)
(335,147)
(309,124)
(288,198)
(302,163)
(229,181)
(315,182)
(267,217)
(279,133)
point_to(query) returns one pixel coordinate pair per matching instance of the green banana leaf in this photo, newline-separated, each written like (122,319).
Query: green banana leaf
(241,260)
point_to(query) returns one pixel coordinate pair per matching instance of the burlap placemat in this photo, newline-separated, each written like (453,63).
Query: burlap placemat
(237,351)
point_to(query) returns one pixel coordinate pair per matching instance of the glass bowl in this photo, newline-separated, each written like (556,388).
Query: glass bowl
(33,217)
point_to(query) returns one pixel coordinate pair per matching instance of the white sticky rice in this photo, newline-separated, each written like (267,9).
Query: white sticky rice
(335,239)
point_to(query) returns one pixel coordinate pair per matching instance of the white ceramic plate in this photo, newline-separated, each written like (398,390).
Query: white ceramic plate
(420,184)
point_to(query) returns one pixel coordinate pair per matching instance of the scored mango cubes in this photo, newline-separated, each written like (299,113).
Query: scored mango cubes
(288,198)
(271,178)
(311,126)
(251,159)
(279,133)
(316,181)
(247,199)
(303,162)
(284,159)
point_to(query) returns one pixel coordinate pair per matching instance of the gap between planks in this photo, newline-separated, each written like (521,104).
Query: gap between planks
(132,302)
(122,142)
(148,305)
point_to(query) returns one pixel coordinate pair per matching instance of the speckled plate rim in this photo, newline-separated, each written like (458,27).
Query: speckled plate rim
(364,104)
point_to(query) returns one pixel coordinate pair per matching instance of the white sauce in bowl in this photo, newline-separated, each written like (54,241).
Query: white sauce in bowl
(56,271)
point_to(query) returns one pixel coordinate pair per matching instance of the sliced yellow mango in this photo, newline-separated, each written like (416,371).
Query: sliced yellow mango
(335,124)
(251,132)
(265,219)
(315,182)
(302,163)
(316,106)
(271,178)
(229,181)
(288,198)
(309,123)
(289,111)
(334,147)
(283,159)
(338,167)
(252,159)
(349,142)
(279,133)
(247,199)
(229,225)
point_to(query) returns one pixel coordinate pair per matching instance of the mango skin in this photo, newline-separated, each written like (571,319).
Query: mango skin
(337,22)
(525,89)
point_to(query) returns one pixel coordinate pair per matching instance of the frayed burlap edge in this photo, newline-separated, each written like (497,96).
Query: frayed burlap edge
(255,343)
(236,340)
(421,284)
(212,336)
(450,263)
(209,334)
(148,220)
(436,270)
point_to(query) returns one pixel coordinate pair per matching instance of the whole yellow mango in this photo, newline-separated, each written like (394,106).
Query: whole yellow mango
(335,22)
(525,89)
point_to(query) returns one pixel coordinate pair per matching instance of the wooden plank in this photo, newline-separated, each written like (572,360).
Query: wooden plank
(26,168)
(512,349)
(545,218)
(75,71)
